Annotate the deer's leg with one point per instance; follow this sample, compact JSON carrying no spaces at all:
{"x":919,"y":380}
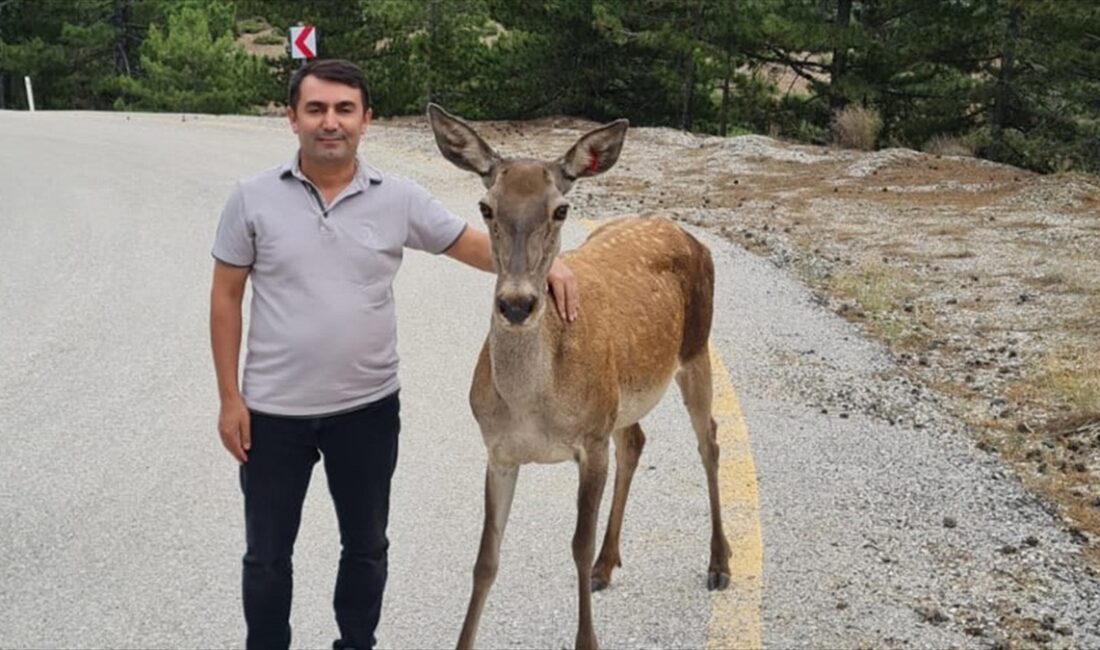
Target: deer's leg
{"x":695,"y":386}
{"x":593,"y":476}
{"x":629,"y":442}
{"x":500,"y":486}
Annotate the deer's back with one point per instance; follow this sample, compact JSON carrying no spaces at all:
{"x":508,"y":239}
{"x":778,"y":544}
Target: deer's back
{"x":647,"y":287}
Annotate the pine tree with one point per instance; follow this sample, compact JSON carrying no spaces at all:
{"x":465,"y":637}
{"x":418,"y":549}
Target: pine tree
{"x":189,"y":67}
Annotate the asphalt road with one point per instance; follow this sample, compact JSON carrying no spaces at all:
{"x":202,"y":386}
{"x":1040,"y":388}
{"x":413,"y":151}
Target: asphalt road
{"x":121,"y":518}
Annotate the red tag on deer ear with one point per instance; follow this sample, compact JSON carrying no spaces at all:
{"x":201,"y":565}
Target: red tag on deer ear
{"x":593,"y":162}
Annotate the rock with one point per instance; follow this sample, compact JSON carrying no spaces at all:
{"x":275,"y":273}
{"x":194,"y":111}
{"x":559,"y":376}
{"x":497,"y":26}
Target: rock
{"x":931,"y":613}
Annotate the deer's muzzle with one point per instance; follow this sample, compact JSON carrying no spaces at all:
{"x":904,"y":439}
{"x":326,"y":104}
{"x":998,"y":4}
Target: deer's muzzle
{"x":516,"y":309}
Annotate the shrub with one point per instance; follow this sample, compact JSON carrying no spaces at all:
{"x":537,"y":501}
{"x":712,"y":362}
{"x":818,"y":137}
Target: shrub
{"x":252,"y":26}
{"x":946,"y":145}
{"x":270,"y":38}
{"x":856,"y":127}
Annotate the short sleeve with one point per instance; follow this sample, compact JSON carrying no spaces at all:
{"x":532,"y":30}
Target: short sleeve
{"x":234,"y":242}
{"x":432,"y":227}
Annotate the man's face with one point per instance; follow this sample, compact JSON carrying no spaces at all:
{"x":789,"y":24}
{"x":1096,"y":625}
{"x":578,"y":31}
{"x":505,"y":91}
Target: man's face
{"x":329,"y":120}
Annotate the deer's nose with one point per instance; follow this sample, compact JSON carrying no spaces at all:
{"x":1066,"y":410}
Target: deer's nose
{"x":517,"y":309}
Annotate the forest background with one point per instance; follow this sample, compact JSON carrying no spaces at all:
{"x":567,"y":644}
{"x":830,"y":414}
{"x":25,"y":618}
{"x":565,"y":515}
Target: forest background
{"x":1015,"y":81}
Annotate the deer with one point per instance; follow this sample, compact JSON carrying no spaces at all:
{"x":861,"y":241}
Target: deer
{"x":545,"y":391}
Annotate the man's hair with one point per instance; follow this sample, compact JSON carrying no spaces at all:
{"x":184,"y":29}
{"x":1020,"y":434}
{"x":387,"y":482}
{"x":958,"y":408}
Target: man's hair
{"x":338,"y":70}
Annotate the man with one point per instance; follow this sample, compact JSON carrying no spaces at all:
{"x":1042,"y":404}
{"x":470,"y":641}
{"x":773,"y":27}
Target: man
{"x":321,"y":237}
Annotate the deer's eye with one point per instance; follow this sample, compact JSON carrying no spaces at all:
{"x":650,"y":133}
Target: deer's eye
{"x":486,"y":211}
{"x":560,"y":212}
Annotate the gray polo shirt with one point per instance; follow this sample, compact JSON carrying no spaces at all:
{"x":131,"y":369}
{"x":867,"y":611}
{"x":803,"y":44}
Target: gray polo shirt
{"x":322,"y":336}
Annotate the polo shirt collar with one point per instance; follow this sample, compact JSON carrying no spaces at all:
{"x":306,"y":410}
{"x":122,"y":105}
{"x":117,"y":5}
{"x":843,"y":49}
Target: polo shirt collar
{"x":364,"y":174}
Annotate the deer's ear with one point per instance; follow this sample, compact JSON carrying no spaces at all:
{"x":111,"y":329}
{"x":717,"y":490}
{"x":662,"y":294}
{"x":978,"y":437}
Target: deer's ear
{"x":460,"y":144}
{"x":595,"y":152}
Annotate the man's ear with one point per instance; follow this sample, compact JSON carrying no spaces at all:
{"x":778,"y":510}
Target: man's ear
{"x":595,"y":152}
{"x":461,"y":145}
{"x":292,"y":117}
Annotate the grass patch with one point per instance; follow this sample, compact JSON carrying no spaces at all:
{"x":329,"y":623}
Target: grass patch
{"x":874,"y":287}
{"x":842,"y":236}
{"x":885,"y":297}
{"x":1085,"y":321}
{"x":1049,"y":280}
{"x":1067,"y":382}
{"x":269,"y":39}
{"x":1074,"y":379}
{"x":962,"y":254}
{"x":1081,"y":277}
{"x":945,"y":145}
{"x":951,"y":230}
{"x":1070,"y":278}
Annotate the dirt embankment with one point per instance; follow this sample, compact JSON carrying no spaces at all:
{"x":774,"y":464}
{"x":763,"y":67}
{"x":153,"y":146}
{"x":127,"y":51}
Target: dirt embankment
{"x":983,"y":280}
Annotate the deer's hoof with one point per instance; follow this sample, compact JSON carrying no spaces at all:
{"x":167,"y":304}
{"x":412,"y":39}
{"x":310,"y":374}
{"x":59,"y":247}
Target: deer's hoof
{"x":599,"y":584}
{"x":717,"y":581}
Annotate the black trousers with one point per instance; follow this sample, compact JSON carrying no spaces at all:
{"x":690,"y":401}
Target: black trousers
{"x":360,"y":450}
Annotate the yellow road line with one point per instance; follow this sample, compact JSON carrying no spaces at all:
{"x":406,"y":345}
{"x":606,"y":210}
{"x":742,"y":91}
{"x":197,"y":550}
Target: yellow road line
{"x":735,"y":612}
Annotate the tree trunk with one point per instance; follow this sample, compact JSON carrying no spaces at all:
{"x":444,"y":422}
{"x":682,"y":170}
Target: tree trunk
{"x":120,"y":20}
{"x":1003,"y":97}
{"x":687,"y":89}
{"x":3,"y":75}
{"x":433,"y":20}
{"x":726,"y":93}
{"x":840,"y":55}
{"x":687,"y":92}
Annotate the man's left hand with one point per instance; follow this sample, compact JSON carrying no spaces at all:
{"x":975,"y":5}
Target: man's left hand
{"x":563,"y":286}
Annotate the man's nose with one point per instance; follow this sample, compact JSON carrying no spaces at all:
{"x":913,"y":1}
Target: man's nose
{"x":329,"y":120}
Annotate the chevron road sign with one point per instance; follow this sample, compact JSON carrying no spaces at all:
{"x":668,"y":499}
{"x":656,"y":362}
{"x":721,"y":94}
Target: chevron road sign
{"x":303,"y":42}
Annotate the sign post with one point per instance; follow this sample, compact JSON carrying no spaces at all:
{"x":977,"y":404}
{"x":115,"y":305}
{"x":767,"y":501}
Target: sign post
{"x":303,"y":42}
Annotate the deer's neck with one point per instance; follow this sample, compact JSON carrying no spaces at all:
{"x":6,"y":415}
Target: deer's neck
{"x":521,"y":363}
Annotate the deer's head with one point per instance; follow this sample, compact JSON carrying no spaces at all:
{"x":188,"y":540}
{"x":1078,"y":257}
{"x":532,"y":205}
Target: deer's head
{"x":524,"y":206}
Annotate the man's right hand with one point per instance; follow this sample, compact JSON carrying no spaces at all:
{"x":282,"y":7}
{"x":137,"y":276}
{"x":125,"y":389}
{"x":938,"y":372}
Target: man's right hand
{"x":235,"y":428}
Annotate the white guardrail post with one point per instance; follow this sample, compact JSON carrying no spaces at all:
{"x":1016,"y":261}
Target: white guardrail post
{"x":30,"y":92}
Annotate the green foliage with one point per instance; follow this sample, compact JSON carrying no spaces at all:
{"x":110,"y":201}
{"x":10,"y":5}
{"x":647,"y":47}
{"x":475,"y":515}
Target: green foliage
{"x":269,"y":38}
{"x":1016,"y":80}
{"x":252,"y":25}
{"x":416,"y":51}
{"x":44,"y":46}
{"x":189,"y":68}
{"x":1042,"y":111}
